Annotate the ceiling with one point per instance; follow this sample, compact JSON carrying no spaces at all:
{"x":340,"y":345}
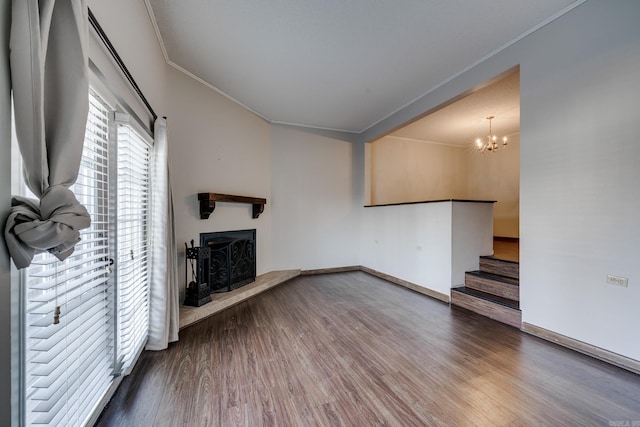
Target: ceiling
{"x":337,"y":64}
{"x":464,"y":120}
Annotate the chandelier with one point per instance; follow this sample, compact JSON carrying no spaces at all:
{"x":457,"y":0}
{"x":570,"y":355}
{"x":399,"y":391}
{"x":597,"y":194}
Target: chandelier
{"x":491,"y":141}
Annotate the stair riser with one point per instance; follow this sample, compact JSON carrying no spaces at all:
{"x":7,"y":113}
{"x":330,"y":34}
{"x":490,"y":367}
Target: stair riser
{"x":492,"y":287}
{"x":494,"y":311}
{"x":496,"y":266}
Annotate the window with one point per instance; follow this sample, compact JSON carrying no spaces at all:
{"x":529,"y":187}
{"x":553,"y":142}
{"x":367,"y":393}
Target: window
{"x":70,"y":366}
{"x":133,"y":242}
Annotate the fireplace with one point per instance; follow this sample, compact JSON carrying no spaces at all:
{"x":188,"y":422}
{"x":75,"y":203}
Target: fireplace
{"x":232,"y":259}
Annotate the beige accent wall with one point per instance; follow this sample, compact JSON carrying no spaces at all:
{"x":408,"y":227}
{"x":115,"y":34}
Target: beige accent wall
{"x":405,"y":170}
{"x":496,"y":176}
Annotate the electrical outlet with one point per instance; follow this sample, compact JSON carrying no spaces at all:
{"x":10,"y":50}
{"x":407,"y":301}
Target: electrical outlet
{"x":617,"y":280}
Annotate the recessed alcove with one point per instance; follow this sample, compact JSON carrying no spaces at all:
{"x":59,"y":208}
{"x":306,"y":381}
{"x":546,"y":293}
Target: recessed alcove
{"x":435,"y":157}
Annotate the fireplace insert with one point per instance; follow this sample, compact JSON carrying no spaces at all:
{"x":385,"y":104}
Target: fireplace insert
{"x":232,"y":261}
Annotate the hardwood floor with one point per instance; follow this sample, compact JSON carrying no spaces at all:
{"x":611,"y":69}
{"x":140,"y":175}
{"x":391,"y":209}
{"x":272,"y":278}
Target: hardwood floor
{"x":350,"y":349}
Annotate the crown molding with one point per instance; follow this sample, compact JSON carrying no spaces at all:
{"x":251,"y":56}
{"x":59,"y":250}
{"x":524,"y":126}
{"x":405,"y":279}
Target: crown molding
{"x":163,"y":48}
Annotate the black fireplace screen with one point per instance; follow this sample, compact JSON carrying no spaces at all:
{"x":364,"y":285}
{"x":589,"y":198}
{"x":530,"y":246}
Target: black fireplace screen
{"x":232,"y":259}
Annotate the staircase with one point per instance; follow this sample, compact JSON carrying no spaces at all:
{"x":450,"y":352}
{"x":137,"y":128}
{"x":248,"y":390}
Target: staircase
{"x":493,"y":291}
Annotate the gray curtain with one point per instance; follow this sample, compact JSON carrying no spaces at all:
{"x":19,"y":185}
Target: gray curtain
{"x":163,"y":287}
{"x":50,"y":82}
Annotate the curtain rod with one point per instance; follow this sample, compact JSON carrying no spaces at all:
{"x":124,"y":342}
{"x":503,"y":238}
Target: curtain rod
{"x":114,"y":53}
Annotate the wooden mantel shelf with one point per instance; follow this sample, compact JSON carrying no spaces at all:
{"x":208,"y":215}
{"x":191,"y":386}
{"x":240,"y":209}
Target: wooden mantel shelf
{"x":208,"y":203}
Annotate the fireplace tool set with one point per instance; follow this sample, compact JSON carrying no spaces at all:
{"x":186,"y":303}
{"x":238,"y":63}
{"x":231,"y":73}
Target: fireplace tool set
{"x":198,"y":291}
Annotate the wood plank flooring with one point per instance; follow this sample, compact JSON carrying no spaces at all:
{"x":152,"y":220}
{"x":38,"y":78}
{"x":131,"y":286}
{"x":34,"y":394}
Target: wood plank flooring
{"x":350,"y":349}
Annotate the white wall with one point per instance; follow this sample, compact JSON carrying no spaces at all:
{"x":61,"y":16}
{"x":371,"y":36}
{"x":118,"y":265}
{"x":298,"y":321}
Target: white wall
{"x":217,"y":146}
{"x":496,"y":176}
{"x":580,"y":178}
{"x":428,"y":244}
{"x":317,"y":200}
{"x":405,"y":170}
{"x":6,"y":393}
{"x":471,"y":237}
{"x":410,"y":242}
{"x":579,"y":193}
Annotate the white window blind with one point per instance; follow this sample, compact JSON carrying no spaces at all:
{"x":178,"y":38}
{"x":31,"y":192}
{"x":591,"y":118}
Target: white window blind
{"x":133,"y":199}
{"x":68,"y":367}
